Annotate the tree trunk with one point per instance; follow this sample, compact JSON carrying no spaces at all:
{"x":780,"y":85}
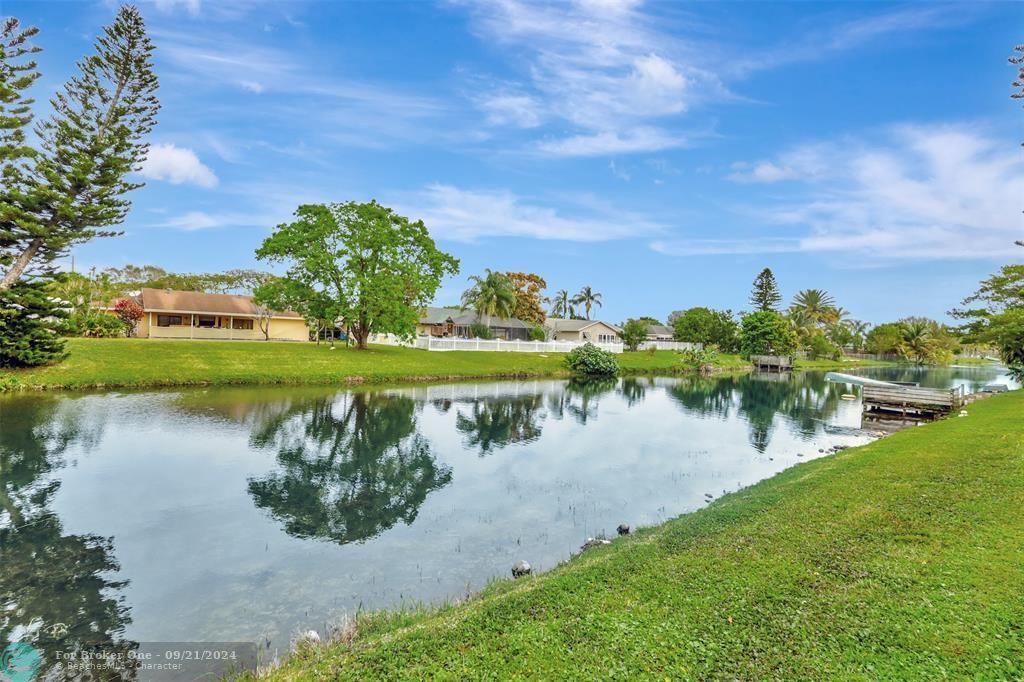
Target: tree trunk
{"x":13,"y":274}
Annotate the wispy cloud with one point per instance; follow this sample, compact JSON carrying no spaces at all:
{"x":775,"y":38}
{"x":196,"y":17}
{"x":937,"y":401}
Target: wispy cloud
{"x":177,"y":165}
{"x":599,"y":66}
{"x":922,"y":193}
{"x":467,"y":215}
{"x":354,"y":111}
{"x":203,"y":220}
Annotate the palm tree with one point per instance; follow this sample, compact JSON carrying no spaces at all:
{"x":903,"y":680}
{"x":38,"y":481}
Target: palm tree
{"x":587,"y":298}
{"x":562,"y":305}
{"x":916,"y":342}
{"x":858,"y":332}
{"x":814,"y":305}
{"x":490,"y":296}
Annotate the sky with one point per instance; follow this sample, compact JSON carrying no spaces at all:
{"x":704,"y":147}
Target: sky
{"x":662,"y":153}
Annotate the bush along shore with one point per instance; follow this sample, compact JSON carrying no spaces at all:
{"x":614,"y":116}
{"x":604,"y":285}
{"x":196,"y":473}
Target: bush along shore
{"x":141,"y":363}
{"x":900,"y":559}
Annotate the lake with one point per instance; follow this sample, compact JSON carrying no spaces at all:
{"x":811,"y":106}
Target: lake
{"x":250,"y":514}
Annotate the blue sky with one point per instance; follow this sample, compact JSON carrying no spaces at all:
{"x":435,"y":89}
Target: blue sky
{"x":662,"y":153}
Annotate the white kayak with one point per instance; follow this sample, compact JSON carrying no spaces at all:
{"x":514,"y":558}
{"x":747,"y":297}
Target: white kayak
{"x":840,"y":378}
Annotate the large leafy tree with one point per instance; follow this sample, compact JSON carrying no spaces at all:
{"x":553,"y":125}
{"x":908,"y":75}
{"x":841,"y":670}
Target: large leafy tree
{"x":361,"y":263}
{"x":765,"y":294}
{"x":588,"y":298}
{"x":707,"y":326}
{"x":75,"y":183}
{"x":766,"y":332}
{"x":633,"y":333}
{"x":492,"y":295}
{"x":528,"y":289}
{"x":994,"y":315}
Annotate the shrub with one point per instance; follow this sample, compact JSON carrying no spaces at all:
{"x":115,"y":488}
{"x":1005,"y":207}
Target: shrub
{"x":589,"y":360}
{"x":633,"y":333}
{"x":130,"y":312}
{"x":537,"y":333}
{"x":702,"y":359}
{"x":819,"y":347}
{"x":478,"y":330}
{"x":95,"y":325}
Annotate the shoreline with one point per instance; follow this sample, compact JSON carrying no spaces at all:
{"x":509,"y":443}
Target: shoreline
{"x":114,"y":364}
{"x":850,"y":543}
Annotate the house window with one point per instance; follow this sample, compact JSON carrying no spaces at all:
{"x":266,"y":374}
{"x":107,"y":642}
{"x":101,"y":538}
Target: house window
{"x":606,"y":338}
{"x":242,"y":323}
{"x":208,"y":321}
{"x":168,"y":320}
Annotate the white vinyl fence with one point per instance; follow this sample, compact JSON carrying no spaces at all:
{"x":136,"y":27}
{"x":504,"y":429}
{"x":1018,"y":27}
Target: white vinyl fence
{"x":444,"y":344}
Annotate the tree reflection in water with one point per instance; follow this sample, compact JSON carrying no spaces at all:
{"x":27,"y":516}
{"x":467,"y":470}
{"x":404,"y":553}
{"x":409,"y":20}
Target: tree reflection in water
{"x":580,"y":398}
{"x":55,"y":588}
{"x":349,"y":467}
{"x":496,"y":422}
{"x":804,"y":400}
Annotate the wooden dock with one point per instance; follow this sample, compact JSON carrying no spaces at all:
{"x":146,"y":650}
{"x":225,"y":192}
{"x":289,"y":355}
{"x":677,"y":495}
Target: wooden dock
{"x":912,"y":401}
{"x":772,"y":363}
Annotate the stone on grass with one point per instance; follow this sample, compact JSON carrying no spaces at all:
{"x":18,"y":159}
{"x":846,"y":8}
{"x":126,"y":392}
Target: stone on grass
{"x":520,"y":568}
{"x":623,"y":529}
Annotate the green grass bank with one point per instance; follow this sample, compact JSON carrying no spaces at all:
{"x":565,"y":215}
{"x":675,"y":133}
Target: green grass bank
{"x":137,"y":363}
{"x":903,"y":559}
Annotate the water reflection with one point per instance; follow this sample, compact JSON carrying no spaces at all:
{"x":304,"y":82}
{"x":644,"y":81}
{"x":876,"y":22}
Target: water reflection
{"x":57,"y":589}
{"x":804,"y":401}
{"x":241,"y":512}
{"x":580,"y":398}
{"x":348,"y":468}
{"x":493,"y":423}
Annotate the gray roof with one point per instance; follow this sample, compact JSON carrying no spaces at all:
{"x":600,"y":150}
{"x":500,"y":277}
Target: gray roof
{"x":659,"y":330}
{"x":561,"y":325}
{"x":464,"y":318}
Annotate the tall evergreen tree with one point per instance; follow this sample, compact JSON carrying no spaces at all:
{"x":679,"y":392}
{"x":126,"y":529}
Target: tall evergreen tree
{"x":74,"y":184}
{"x":765,"y":294}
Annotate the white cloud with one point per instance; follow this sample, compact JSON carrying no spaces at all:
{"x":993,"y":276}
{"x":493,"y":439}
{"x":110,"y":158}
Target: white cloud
{"x":604,"y":143}
{"x":201,"y":220}
{"x":517,"y":110}
{"x":924,"y":193}
{"x":598,"y":65}
{"x":177,"y":165}
{"x":190,"y":6}
{"x":466,"y":215}
{"x":251,"y":86}
{"x":807,"y":162}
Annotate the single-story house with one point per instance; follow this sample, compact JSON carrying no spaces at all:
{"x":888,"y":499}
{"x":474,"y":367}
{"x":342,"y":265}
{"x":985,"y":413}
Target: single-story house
{"x":659,"y":332}
{"x":455,"y":322}
{"x":594,"y":331}
{"x":171,"y":314}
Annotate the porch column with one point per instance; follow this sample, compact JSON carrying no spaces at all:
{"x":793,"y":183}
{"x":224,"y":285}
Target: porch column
{"x":191,"y":326}
{"x":231,"y":328}
{"x":149,"y":330}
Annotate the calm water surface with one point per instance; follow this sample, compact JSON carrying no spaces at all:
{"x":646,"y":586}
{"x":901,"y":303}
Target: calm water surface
{"x":245,"y":514}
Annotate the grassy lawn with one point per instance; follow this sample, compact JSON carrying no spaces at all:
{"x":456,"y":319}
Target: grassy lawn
{"x":111,"y":363}
{"x":903,"y":559}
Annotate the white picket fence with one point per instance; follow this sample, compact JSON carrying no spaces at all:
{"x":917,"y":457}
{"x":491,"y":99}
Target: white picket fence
{"x":498,"y":345}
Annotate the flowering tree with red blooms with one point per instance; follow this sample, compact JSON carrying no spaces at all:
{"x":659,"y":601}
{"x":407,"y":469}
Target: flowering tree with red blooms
{"x":130,"y":312}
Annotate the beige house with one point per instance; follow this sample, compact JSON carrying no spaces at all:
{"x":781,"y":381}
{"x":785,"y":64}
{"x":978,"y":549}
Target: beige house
{"x":659,"y":332}
{"x":582,"y":331}
{"x":171,"y":314}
